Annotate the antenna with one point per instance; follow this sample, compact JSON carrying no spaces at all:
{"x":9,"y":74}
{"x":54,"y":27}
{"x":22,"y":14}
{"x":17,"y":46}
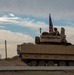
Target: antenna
{"x":40,"y":30}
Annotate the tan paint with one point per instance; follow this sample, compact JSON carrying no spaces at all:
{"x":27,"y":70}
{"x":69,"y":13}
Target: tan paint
{"x":54,"y":52}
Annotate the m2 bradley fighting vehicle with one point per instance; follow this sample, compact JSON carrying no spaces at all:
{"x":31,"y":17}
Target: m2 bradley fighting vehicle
{"x":50,"y":49}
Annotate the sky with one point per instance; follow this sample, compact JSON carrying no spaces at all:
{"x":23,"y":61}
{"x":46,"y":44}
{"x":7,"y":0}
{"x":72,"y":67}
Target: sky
{"x":20,"y":21}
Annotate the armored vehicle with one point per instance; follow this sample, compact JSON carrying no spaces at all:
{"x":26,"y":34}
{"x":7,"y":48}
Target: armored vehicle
{"x":50,"y":48}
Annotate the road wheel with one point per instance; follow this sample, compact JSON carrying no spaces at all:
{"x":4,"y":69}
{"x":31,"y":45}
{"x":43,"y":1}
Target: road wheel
{"x":33,"y":63}
{"x":70,"y":63}
{"x":50,"y":63}
{"x":62,"y":63}
{"x":41,"y":63}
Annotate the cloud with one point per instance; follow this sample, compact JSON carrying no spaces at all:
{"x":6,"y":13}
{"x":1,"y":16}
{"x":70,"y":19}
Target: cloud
{"x":13,"y":39}
{"x":2,"y":26}
{"x":25,"y":22}
{"x":14,"y":36}
{"x":12,"y":15}
{"x":6,"y":19}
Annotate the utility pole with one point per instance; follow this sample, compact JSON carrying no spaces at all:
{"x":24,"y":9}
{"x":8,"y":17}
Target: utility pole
{"x":5,"y":49}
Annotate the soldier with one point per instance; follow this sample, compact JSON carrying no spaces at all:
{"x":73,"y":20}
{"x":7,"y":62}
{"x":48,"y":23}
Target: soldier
{"x":56,"y":32}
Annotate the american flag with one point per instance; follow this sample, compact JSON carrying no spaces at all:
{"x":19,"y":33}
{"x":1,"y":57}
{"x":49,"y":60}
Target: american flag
{"x":50,"y":24}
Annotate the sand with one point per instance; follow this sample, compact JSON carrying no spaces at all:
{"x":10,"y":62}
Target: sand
{"x":15,"y":61}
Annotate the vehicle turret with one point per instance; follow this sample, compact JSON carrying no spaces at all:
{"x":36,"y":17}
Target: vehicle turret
{"x":51,"y":37}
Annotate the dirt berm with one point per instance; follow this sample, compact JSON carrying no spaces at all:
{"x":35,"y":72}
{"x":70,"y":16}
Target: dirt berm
{"x":15,"y":61}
